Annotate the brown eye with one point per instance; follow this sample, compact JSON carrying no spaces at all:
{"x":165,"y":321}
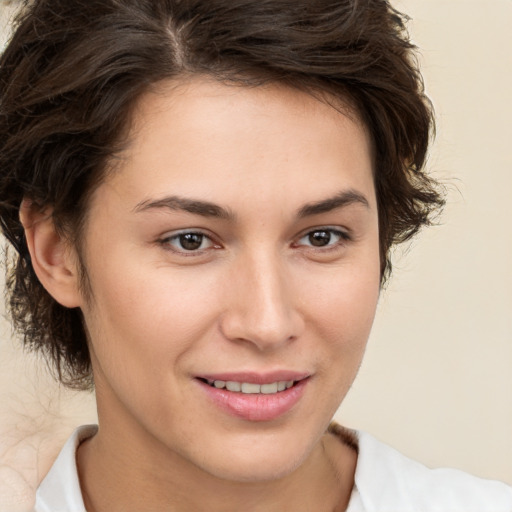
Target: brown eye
{"x":324,"y":238}
{"x":319,"y":238}
{"x":188,"y":242}
{"x":191,"y":241}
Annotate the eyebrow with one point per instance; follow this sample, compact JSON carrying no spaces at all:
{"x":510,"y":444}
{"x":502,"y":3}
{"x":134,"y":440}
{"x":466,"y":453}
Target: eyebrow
{"x":197,"y":207}
{"x":344,"y":198}
{"x":208,"y":209}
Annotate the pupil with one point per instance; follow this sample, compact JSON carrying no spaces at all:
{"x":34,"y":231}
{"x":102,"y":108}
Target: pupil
{"x":191,"y":241}
{"x":320,"y":238}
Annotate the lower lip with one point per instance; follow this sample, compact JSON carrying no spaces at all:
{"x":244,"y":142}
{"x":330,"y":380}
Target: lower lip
{"x":257,"y":406}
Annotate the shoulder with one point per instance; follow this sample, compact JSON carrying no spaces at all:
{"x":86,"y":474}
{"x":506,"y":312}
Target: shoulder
{"x":389,"y":481}
{"x":60,"y":489}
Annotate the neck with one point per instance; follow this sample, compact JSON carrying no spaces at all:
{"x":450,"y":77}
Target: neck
{"x":118,"y":472}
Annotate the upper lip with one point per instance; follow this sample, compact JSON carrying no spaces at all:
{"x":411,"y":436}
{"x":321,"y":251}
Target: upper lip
{"x":256,"y":377}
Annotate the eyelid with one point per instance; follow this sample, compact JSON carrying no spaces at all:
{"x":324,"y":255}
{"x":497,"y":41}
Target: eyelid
{"x":165,"y":239}
{"x":344,"y":235}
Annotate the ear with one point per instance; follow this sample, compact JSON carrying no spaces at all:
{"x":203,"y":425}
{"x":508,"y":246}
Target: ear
{"x":54,"y":260}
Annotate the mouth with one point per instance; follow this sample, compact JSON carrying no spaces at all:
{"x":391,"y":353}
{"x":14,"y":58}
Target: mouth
{"x":255,"y":397}
{"x":251,"y":388}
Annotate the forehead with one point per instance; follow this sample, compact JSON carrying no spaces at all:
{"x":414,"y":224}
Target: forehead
{"x":203,"y":137}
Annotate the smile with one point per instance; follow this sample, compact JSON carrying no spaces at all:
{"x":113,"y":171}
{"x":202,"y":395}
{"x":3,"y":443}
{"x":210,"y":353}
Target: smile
{"x":250,"y":388}
{"x":242,"y":396}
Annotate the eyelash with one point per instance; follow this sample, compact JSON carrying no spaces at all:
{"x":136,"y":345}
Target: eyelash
{"x":166,"y":243}
{"x":343,"y":238}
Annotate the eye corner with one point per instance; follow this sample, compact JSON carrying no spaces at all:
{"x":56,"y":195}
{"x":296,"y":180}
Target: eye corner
{"x":323,"y":238}
{"x":188,"y":242}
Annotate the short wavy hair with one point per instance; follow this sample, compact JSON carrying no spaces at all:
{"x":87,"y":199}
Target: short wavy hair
{"x":74,"y":70}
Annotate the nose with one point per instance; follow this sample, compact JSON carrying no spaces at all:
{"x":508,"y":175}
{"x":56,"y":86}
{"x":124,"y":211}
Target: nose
{"x":262,"y":308}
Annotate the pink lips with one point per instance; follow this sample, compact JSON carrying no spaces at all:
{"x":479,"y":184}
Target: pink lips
{"x":256,"y":407}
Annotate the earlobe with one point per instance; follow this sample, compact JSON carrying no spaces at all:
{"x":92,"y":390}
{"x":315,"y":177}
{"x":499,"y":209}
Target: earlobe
{"x":53,"y":260}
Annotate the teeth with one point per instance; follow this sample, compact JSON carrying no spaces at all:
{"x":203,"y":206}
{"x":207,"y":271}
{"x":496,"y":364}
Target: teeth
{"x":268,"y":389}
{"x":232,"y":386}
{"x":250,"y":388}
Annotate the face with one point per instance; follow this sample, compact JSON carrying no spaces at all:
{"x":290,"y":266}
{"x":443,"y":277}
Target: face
{"x":233,"y":260}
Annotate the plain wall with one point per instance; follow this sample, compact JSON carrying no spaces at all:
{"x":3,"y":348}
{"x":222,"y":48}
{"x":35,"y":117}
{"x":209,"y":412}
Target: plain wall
{"x":437,"y":379}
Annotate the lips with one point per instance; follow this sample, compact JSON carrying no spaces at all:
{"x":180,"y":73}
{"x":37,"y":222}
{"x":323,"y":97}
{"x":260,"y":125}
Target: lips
{"x":252,"y":388}
{"x":256,"y":377}
{"x":252,"y":396}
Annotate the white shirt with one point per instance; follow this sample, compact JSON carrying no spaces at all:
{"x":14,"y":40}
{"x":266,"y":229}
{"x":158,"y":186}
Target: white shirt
{"x":385,"y":481}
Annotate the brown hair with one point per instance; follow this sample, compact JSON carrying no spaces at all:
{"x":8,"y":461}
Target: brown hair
{"x":74,"y":70}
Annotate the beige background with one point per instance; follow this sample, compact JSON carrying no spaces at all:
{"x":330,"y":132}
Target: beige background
{"x":437,"y":379}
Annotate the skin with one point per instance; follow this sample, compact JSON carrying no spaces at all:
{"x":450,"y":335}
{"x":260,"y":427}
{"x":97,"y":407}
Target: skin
{"x":257,"y":296}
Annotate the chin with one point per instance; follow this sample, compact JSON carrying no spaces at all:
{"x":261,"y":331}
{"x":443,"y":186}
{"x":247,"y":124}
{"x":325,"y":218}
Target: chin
{"x":246,"y":471}
{"x":256,"y":461}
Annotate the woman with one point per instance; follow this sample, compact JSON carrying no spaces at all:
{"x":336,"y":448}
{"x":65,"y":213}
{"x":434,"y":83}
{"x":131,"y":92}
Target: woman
{"x":202,"y":197}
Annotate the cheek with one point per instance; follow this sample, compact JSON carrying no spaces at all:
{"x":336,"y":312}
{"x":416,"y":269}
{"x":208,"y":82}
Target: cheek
{"x":341,"y":314}
{"x":344,"y":301}
{"x":143,"y":320}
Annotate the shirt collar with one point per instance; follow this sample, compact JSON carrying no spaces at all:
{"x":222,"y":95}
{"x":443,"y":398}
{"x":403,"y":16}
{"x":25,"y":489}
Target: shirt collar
{"x":60,"y":489}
